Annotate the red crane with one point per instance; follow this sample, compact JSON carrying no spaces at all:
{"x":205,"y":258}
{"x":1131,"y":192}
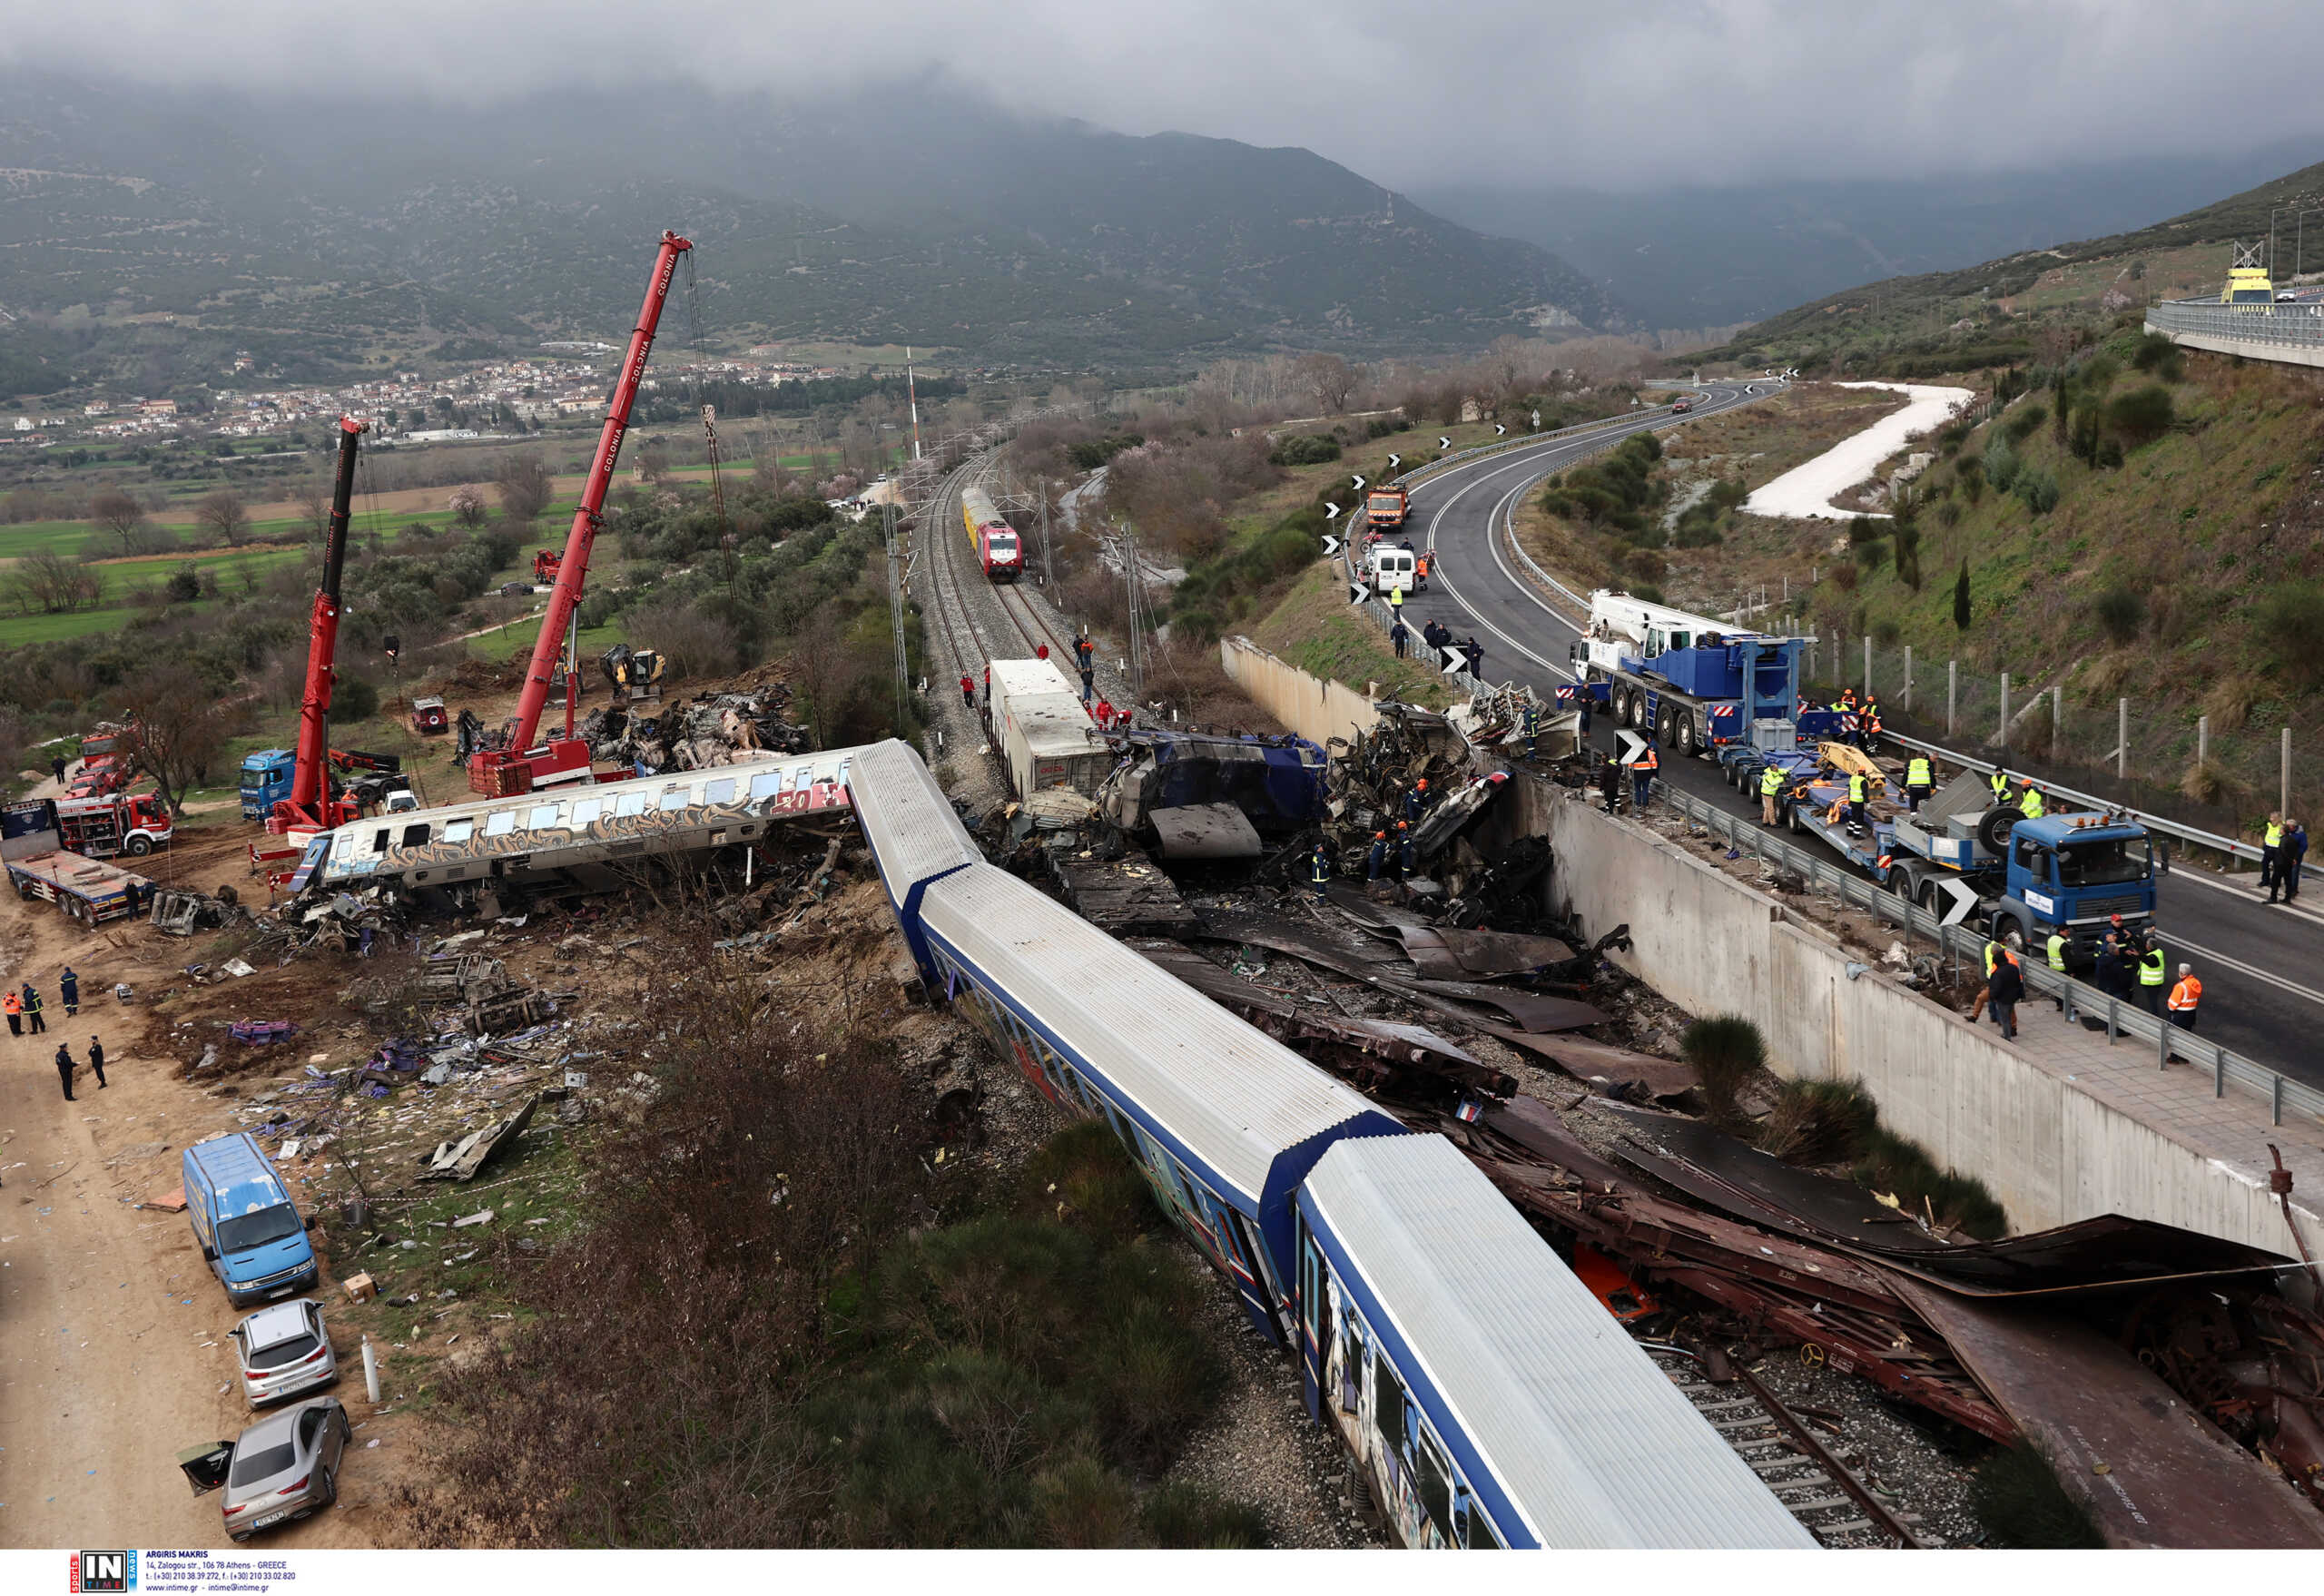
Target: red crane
{"x":310,"y":803}
{"x":522,"y":766}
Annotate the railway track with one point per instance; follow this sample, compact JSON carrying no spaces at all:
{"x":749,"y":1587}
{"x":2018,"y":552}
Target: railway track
{"x":962,"y":591}
{"x":1807,"y":1474}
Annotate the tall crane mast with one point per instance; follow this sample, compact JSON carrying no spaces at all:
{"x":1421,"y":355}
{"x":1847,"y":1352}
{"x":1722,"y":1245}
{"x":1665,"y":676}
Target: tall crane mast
{"x":310,"y":803}
{"x":522,"y":766}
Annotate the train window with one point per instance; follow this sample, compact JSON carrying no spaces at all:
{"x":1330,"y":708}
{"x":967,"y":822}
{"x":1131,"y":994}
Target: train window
{"x":721,"y":791}
{"x":415,"y":836}
{"x":766,"y":783}
{"x":542,"y":817}
{"x":500,"y":823}
{"x":343,"y":846}
{"x":630,"y":803}
{"x":674,"y":798}
{"x":585,"y":811}
{"x":1387,"y":1403}
{"x":460,"y":830}
{"x":1478,"y":1533}
{"x":1311,"y":1286}
{"x":379,"y":841}
{"x":1435,"y":1478}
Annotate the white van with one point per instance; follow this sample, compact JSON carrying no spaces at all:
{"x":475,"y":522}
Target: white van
{"x":1394,"y":570}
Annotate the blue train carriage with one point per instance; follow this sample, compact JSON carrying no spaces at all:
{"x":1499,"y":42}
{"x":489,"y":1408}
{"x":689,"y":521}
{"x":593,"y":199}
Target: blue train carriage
{"x":1223,"y":1120}
{"x":914,"y":835}
{"x":1489,"y":1397}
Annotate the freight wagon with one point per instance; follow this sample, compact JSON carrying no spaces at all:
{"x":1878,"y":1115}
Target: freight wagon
{"x":1044,"y":729}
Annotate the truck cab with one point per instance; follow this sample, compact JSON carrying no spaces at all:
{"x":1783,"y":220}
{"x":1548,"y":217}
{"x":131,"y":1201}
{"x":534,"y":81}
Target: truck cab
{"x":250,"y":1232}
{"x":2075,"y":872}
{"x":266,"y":779}
{"x":1386,"y":509}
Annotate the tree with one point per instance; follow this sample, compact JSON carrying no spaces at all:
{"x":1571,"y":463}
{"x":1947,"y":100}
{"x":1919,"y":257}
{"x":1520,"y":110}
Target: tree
{"x":467,"y":506}
{"x":225,"y":517}
{"x":114,"y":511}
{"x":1961,"y":599}
{"x":524,"y":486}
{"x":313,"y":499}
{"x":58,"y":586}
{"x":654,"y":460}
{"x":181,"y":730}
{"x":1328,"y":377}
{"x":2142,"y":415}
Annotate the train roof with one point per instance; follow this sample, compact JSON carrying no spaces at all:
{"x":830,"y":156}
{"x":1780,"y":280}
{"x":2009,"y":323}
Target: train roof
{"x":910,"y":823}
{"x":978,"y":504}
{"x":1230,"y":1095}
{"x":1524,"y":1369}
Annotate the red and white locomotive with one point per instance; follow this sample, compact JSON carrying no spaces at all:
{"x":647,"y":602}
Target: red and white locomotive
{"x":997,"y":548}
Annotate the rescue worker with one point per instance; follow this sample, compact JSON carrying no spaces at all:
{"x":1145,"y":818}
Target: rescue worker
{"x":1084,"y":652}
{"x":1642,"y":777}
{"x":2150,"y":966}
{"x":2185,"y":998}
{"x":2029,"y":803}
{"x":1319,"y":871}
{"x":1416,"y":800}
{"x":33,"y":1023}
{"x":1920,"y":781}
{"x":2004,"y":988}
{"x":69,"y":987}
{"x":1528,"y":726}
{"x":1610,"y":784}
{"x":2271,"y":854}
{"x":988,"y":685}
{"x":2295,"y":854}
{"x":969,"y":692}
{"x":57,"y":764}
{"x":1407,"y":852}
{"x":1857,"y":791}
{"x":97,"y":1060}
{"x":1582,"y":702}
{"x":1040,"y":651}
{"x":1400,"y":635}
{"x":1998,"y":783}
{"x":1376,"y":861}
{"x":1104,"y":715}
{"x":1770,"y":792}
{"x":1420,"y":574}
{"x":2055,"y":948}
{"x":64,"y":1071}
{"x":14,"y":1008}
{"x":1396,"y":602}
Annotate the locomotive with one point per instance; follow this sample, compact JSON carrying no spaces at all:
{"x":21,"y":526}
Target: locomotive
{"x":997,"y":548}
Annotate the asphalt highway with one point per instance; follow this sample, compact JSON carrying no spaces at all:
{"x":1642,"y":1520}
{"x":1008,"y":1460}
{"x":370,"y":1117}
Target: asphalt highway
{"x":2262,"y":967}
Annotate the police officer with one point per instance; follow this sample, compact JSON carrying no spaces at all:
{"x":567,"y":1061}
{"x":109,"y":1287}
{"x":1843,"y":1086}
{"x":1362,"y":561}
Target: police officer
{"x":1400,"y":635}
{"x":2151,"y":975}
{"x":64,"y":1071}
{"x":1920,"y":781}
{"x":1770,"y":792}
{"x":1319,"y":871}
{"x":97,"y":1060}
{"x":1855,"y":799}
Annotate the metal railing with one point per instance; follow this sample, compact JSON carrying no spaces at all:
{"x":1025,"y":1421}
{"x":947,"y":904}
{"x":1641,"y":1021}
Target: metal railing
{"x":1966,"y":946}
{"x":2301,"y":325}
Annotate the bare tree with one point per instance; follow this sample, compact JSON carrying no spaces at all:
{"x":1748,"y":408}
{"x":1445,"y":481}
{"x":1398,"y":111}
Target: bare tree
{"x":313,"y":499}
{"x":225,"y":517}
{"x":1329,"y":377}
{"x":653,"y":460}
{"x":524,"y":485}
{"x":112,"y":510}
{"x":827,"y":668}
{"x":467,"y":506}
{"x":181,"y":730}
{"x":56,"y":584}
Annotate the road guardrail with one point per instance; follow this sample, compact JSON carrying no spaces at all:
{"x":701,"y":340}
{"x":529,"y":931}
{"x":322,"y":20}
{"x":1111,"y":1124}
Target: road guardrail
{"x":2299,"y":325}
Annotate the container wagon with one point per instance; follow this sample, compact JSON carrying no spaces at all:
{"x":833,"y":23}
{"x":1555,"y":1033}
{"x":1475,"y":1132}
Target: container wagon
{"x":1044,"y":730}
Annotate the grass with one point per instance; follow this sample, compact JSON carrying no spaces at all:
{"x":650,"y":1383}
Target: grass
{"x":1838,"y":1122}
{"x":1314,"y":629}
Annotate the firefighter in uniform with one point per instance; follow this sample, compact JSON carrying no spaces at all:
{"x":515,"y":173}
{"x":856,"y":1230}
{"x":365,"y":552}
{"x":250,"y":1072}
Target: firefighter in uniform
{"x":1319,"y":871}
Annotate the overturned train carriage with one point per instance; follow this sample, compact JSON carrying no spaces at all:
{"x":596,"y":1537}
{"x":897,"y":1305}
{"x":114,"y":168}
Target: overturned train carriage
{"x":585,"y":834}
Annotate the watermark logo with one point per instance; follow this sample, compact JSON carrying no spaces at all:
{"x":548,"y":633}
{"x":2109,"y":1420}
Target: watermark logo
{"x":105,"y":1570}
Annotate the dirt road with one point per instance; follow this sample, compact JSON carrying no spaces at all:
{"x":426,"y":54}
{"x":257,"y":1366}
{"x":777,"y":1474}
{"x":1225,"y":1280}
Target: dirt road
{"x":112,"y":1354}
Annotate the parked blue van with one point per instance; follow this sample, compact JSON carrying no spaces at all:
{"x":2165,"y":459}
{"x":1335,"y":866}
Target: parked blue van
{"x":243,"y":1216}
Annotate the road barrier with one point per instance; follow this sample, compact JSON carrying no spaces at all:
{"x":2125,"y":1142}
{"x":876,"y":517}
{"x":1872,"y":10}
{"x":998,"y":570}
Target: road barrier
{"x":2210,"y":324}
{"x":1964,"y":945}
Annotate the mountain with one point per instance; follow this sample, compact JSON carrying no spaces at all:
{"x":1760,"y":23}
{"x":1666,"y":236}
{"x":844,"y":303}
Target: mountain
{"x":1714,"y":257}
{"x":154,"y":229}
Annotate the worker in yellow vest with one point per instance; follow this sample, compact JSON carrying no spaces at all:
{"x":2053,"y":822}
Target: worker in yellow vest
{"x":2152,"y":976}
{"x":2029,"y":803}
{"x":2184,"y":997}
{"x":1998,"y":783}
{"x":1855,"y":799}
{"x":1770,"y":790}
{"x":1920,"y":781}
{"x":2272,"y":855}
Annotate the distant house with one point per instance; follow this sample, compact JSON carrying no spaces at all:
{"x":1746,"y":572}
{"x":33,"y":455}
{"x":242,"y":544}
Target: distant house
{"x":96,"y":407}
{"x":158,"y":408}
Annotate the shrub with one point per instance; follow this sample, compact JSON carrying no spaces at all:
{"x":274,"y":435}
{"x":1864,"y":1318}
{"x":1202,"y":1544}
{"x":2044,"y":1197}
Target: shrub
{"x":1972,"y":471}
{"x":184,"y":584}
{"x":2157,"y":354}
{"x":1313,"y":448}
{"x":2038,"y":488}
{"x":1961,"y":613}
{"x":2001,"y":466}
{"x":2291,"y":619}
{"x":354,"y":698}
{"x":694,"y":642}
{"x":1863,"y":529}
{"x":2142,"y":415}
{"x":2023,"y":422}
{"x":1726,"y":1051}
{"x":1846,"y":577}
{"x":1818,"y":1121}
{"x":2122,"y":613}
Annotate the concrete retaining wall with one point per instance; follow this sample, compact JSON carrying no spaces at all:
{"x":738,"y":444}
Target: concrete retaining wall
{"x":1315,"y":709}
{"x":2050,"y":1151}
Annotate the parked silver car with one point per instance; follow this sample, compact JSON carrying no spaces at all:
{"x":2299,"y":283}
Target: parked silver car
{"x":285,"y":1466}
{"x":283,"y":1351}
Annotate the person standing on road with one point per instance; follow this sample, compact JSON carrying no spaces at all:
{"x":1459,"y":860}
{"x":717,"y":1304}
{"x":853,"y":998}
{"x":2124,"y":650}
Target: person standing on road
{"x":97,"y":1060}
{"x":2152,"y":966}
{"x":1642,"y":778}
{"x":33,"y":1023}
{"x":68,"y":986}
{"x":57,"y":764}
{"x":2004,"y":988}
{"x":65,"y":1071}
{"x":1400,"y":635}
{"x":1770,"y":792}
{"x":2294,"y":855}
{"x":2185,"y":998}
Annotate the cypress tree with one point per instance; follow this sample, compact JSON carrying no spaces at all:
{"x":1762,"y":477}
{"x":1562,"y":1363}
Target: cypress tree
{"x":1961,"y":599}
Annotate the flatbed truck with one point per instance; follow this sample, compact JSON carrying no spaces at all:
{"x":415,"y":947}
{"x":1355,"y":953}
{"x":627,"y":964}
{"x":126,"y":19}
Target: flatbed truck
{"x":1691,"y":683}
{"x":89,"y":890}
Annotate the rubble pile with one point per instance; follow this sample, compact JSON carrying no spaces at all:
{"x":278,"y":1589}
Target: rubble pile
{"x":713,"y":729}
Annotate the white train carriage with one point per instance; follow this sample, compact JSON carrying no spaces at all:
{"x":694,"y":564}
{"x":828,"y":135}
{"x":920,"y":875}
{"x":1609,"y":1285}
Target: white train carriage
{"x":1492,"y":1399}
{"x":1223,"y":1120}
{"x":914,"y":835}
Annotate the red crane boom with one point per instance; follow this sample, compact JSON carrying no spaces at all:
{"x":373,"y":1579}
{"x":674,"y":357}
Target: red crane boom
{"x":310,"y":803}
{"x":521,"y":766}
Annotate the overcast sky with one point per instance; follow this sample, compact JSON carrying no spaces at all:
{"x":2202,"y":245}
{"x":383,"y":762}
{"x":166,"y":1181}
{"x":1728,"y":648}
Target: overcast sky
{"x":1610,"y":93}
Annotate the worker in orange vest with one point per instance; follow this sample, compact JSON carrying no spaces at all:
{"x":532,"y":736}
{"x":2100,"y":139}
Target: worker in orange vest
{"x":15,"y":1011}
{"x":2185,"y":998}
{"x":1642,"y":777}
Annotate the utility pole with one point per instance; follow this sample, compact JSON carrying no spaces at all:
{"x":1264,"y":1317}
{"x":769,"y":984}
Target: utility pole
{"x":1049,"y":568}
{"x":896,"y":609}
{"x":1137,"y":591}
{"x":1951,"y":686}
{"x":911,"y":390}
